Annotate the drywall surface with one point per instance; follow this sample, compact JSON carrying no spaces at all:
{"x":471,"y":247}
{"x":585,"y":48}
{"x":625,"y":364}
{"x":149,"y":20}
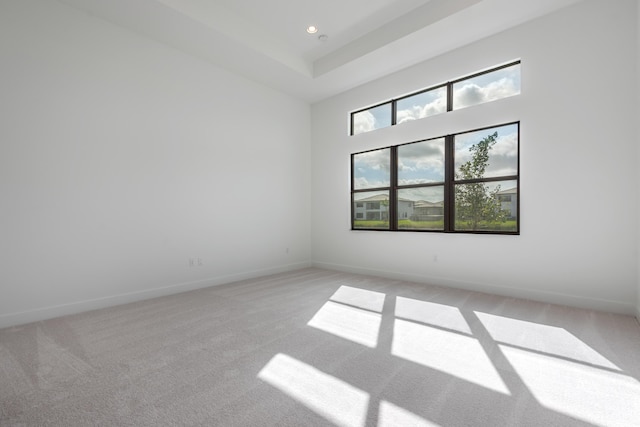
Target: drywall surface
{"x":578,"y":241}
{"x":638,"y":130}
{"x":130,"y":170}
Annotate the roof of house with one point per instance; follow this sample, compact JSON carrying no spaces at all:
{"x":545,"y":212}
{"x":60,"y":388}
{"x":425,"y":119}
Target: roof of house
{"x":374,"y":198}
{"x":381,"y":197}
{"x":428,"y":204}
{"x":513,"y":190}
{"x":385,"y":197}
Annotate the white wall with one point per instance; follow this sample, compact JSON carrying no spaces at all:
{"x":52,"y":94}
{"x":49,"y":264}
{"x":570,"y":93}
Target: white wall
{"x":122,"y":158}
{"x":638,"y":130}
{"x":578,"y":242}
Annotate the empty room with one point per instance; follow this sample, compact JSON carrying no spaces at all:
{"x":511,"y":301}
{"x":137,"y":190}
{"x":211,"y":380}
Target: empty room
{"x":342,"y":213}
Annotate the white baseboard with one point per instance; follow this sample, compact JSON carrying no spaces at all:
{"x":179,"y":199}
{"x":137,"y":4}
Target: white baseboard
{"x":530,"y":294}
{"x":13,"y":319}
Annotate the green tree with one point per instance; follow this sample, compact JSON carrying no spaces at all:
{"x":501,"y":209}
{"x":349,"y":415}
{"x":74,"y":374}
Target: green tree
{"x":385,"y":215}
{"x":475,"y":203}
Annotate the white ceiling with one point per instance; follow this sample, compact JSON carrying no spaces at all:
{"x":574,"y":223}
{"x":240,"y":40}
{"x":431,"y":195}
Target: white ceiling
{"x":265,"y":40}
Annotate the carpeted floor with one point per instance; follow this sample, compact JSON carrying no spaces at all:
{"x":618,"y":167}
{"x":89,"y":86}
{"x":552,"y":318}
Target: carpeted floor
{"x":316,"y":347}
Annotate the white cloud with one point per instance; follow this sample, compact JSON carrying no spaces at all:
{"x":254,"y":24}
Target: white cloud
{"x":473,"y":94}
{"x":363,"y":122}
{"x":506,"y":145}
{"x":361,"y":182}
{"x":414,"y":181}
{"x":377,"y":160}
{"x":421,"y":156}
{"x":372,"y":169}
{"x":405,"y":168}
{"x":418,"y":111}
{"x":502,"y":156}
{"x":436,"y":164}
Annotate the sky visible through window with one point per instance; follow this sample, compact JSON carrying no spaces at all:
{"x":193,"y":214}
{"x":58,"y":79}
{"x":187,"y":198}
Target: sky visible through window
{"x":491,"y":86}
{"x":372,"y":169}
{"x":422,"y":105}
{"x":423,"y":162}
{"x":487,"y":87}
{"x":503,"y":156}
{"x":371,"y":119}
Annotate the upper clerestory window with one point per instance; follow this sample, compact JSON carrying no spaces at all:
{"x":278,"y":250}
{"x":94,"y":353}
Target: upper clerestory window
{"x":496,"y":83}
{"x":486,"y":87}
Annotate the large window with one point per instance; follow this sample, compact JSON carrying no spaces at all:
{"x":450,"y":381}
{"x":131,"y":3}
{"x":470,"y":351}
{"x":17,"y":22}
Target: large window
{"x":466,"y":182}
{"x":496,"y":83}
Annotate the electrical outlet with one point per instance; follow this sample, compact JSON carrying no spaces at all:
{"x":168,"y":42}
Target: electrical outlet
{"x":192,"y":262}
{"x":200,"y":262}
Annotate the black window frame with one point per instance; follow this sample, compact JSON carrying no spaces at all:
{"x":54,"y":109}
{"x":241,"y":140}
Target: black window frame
{"x":392,"y":110}
{"x":449,"y":85}
{"x":449,"y":184}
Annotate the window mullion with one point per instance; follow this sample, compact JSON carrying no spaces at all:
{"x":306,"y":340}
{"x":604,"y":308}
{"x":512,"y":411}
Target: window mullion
{"x":393,"y":190}
{"x":448,"y":183}
{"x":394,"y":109}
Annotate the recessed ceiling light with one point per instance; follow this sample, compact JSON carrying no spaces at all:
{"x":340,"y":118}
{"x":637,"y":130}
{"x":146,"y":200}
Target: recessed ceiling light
{"x":312,"y":29}
{"x":323,"y":37}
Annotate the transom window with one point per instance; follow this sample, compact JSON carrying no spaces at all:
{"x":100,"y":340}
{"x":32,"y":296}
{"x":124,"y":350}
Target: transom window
{"x":465,"y":182}
{"x":497,"y":83}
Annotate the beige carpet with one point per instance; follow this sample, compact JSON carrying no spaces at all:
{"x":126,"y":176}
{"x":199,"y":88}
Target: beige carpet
{"x":315,"y":347}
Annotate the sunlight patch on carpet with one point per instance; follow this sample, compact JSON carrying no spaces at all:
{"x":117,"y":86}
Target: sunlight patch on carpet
{"x":593,"y":395}
{"x":543,"y":338}
{"x":394,"y":416}
{"x":363,"y":298}
{"x":448,"y":352}
{"x":432,"y":313}
{"x":324,"y":394}
{"x":351,"y":323}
